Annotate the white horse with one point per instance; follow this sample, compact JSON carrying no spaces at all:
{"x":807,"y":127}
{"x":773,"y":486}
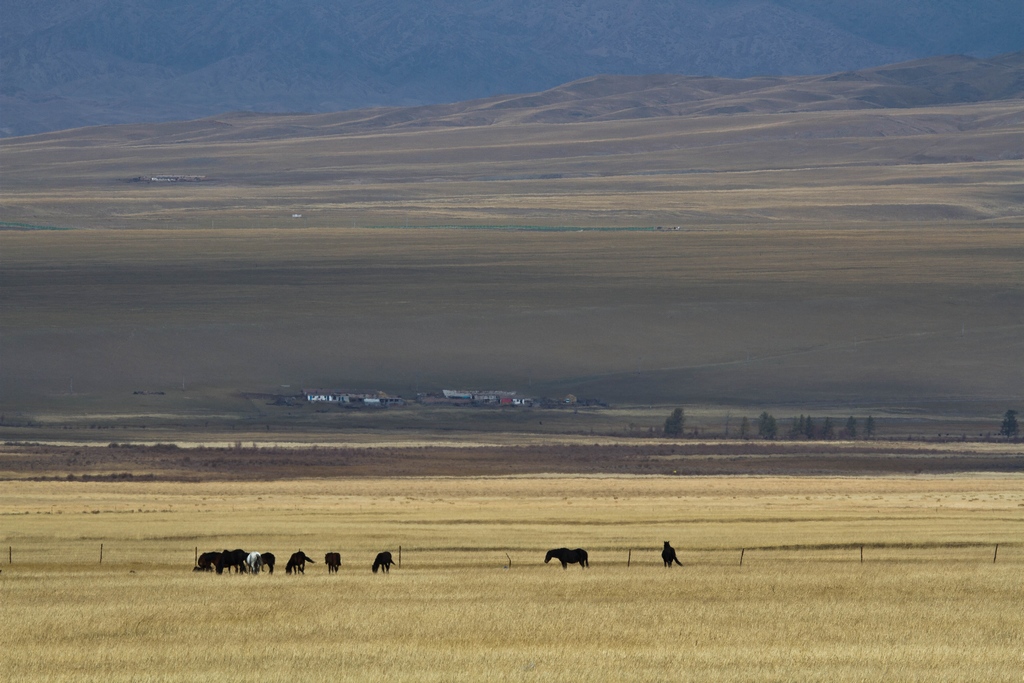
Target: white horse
{"x":254,"y":562}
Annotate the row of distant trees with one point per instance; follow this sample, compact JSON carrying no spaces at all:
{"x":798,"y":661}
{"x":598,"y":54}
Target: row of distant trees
{"x":804,"y":426}
{"x":807,"y":427}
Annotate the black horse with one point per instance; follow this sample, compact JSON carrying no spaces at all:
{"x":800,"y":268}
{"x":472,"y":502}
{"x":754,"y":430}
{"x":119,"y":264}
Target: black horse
{"x":297,"y":563}
{"x":268,"y":561}
{"x":383,"y":560}
{"x":567,"y":557}
{"x":668,"y":555}
{"x":207,"y":562}
{"x":232,"y":558}
{"x":333,"y":561}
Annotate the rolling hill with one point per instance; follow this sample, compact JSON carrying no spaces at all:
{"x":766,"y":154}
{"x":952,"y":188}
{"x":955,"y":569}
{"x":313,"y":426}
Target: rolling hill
{"x":71,"y":63}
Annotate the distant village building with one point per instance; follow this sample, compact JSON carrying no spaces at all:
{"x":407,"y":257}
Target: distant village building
{"x":455,"y":393}
{"x":176,"y":178}
{"x":375,"y":400}
{"x":463,"y":397}
{"x":326,"y":397}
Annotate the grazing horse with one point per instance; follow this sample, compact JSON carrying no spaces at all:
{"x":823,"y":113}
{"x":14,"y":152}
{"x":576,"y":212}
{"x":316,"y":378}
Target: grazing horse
{"x":207,"y":562}
{"x":232,"y":558}
{"x":333,"y":561}
{"x":254,"y":562}
{"x":567,"y":557}
{"x":297,"y":563}
{"x":268,"y":561}
{"x":668,"y":556}
{"x":383,"y":560}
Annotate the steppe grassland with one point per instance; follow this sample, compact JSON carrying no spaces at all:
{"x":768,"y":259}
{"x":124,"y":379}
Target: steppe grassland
{"x":863,"y":167}
{"x":731,"y":315}
{"x":926,"y":604}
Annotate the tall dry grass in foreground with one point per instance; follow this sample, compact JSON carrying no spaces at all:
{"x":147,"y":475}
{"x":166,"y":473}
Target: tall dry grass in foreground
{"x":926,"y":604}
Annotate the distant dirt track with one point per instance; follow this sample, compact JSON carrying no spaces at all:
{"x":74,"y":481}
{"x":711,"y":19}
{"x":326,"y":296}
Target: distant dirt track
{"x":171,"y":463}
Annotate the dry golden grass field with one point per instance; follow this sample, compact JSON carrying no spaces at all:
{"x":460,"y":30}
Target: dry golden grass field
{"x":927,"y":603}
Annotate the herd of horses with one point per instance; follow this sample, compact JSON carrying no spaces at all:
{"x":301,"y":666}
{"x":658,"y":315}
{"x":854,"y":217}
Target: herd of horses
{"x":253,"y":563}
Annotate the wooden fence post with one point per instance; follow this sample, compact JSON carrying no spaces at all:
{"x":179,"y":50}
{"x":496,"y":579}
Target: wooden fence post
{"x":629,"y":558}
{"x":862,"y":554}
{"x":509,"y":560}
{"x":742,"y":550}
{"x":101,"y":553}
{"x":399,"y":557}
{"x":10,"y":554}
{"x":197,"y":556}
{"x":995,"y":554}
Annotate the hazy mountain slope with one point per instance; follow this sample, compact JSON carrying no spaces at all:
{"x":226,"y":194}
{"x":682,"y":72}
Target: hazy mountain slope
{"x":78,"y":62}
{"x":921,"y":83}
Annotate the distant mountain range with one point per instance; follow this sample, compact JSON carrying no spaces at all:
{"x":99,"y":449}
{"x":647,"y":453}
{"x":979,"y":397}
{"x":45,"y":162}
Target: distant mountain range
{"x":920,"y":83}
{"x":69,"y":63}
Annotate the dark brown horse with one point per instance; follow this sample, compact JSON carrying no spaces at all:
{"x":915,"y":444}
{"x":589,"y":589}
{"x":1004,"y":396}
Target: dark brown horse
{"x":268,"y":561}
{"x":383,"y":560}
{"x":297,"y":563}
{"x":232,"y":558}
{"x":668,"y":556}
{"x":567,"y":557}
{"x":333,"y":561}
{"x":207,"y":562}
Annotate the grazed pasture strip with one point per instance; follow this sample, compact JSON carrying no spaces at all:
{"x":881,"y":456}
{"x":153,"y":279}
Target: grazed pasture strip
{"x":170,"y":463}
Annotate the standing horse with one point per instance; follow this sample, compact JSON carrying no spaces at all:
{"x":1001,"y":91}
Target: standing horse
{"x":254,"y":562}
{"x":333,"y":561}
{"x":567,"y":557}
{"x":268,"y":561}
{"x":232,"y":558}
{"x":297,"y":563}
{"x":383,"y":560}
{"x":668,"y":556}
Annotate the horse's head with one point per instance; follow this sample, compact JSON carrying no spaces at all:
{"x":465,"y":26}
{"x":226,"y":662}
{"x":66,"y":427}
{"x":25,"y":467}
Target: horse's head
{"x":547,"y":558}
